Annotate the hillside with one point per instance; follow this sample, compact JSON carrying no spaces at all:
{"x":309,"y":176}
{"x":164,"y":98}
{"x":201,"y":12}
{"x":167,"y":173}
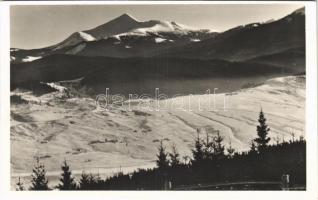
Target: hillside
{"x":141,"y":75}
{"x":97,"y":140}
{"x":250,"y":41}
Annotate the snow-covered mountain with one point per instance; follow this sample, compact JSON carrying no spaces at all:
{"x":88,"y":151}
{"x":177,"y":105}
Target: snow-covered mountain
{"x":125,"y":30}
{"x":128,"y":25}
{"x":125,"y":37}
{"x":126,"y":49}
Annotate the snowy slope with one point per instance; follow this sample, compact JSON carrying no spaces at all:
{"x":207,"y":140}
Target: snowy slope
{"x":74,"y":39}
{"x":93,"y":139}
{"x":86,"y":36}
{"x":157,"y":27}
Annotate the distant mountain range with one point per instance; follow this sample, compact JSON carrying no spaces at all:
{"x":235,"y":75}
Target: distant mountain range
{"x":127,"y":50}
{"x":121,"y":37}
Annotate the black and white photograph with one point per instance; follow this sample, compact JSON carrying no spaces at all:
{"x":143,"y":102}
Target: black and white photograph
{"x":181,"y":97}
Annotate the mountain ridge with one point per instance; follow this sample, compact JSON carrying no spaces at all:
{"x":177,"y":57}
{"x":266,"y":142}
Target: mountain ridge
{"x":126,"y":36}
{"x":121,"y":27}
{"x":254,"y":50}
{"x":251,"y":40}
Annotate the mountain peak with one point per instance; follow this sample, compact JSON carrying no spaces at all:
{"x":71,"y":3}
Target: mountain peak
{"x":121,"y":24}
{"x":126,"y":16}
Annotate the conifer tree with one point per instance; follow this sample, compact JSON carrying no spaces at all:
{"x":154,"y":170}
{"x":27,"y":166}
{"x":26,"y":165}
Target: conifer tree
{"x":66,"y":179}
{"x":174,"y":156}
{"x":19,"y":185}
{"x":198,"y":152}
{"x":39,"y":180}
{"x":84,"y":183}
{"x":262,"y":132}
{"x":162,"y":158}
{"x":218,"y":146}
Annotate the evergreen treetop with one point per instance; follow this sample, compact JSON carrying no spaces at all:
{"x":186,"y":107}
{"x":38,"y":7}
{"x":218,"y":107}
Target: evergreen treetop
{"x":66,"y":180}
{"x":162,"y":158}
{"x":198,"y":151}
{"x":39,"y":180}
{"x":262,"y":132}
{"x":174,"y":156}
{"x":19,"y":185}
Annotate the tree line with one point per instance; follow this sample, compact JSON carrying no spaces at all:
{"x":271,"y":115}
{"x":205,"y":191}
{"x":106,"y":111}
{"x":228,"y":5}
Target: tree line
{"x":211,"y":162}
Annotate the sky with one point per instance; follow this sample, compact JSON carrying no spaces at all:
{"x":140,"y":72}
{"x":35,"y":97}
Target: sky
{"x":37,"y":26}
